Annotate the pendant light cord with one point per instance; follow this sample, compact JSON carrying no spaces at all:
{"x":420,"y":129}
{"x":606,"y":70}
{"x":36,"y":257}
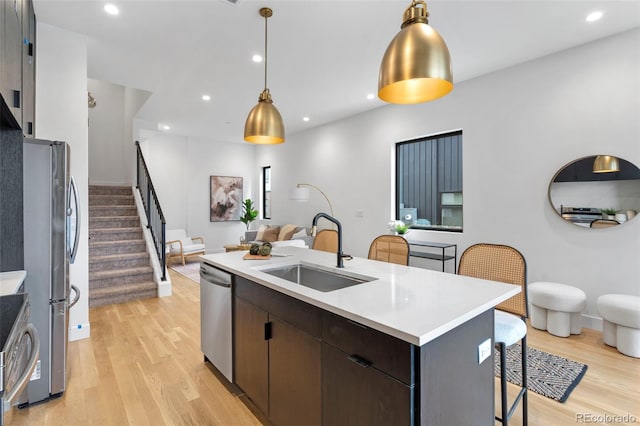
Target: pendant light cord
{"x":265,"y":51}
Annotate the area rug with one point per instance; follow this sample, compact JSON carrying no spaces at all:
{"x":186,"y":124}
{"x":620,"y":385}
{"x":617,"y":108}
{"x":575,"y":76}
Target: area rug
{"x":190,"y":270}
{"x":549,"y":375}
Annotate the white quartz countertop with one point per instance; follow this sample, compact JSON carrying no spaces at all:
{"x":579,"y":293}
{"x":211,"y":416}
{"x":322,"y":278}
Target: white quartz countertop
{"x":413,"y":304}
{"x":10,"y":281}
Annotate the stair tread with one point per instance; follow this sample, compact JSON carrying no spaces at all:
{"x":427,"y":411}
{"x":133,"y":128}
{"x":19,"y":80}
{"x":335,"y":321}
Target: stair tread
{"x":137,"y":228}
{"x":123,"y":256}
{"x":133,"y":214}
{"x":124,"y":288}
{"x":115,"y":242}
{"x":100,"y":219}
{"x":111,"y":206}
{"x":110,"y":192}
{"x":108,"y":218}
{"x":120,"y":272}
{"x":108,"y":206}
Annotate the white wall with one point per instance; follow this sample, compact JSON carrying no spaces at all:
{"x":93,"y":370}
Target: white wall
{"x":61,"y":114}
{"x":111,"y":145}
{"x":180,"y":169}
{"x":520,"y":126}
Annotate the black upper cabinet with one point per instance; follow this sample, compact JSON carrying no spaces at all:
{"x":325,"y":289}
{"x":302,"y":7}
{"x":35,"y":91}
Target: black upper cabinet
{"x":17,"y":55}
{"x":582,"y":171}
{"x":12,"y":57}
{"x":28,"y":69}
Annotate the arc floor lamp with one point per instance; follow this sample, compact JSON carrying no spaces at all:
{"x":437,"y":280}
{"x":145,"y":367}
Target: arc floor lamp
{"x":301,"y":193}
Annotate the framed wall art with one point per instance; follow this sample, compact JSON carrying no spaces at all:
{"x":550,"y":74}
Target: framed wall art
{"x":225,"y":198}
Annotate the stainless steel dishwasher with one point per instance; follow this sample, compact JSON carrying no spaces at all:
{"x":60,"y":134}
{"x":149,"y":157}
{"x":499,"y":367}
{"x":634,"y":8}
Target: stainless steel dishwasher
{"x":215,"y":318}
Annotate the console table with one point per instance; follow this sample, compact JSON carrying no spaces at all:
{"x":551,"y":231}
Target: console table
{"x":442,"y":255}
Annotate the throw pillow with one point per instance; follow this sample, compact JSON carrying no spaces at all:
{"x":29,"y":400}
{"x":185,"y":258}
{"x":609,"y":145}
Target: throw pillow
{"x":260,"y":234}
{"x":270,"y":234}
{"x":300,"y":234}
{"x":286,"y":232}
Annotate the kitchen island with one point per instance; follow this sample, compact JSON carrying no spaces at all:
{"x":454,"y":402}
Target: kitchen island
{"x":402,"y":348}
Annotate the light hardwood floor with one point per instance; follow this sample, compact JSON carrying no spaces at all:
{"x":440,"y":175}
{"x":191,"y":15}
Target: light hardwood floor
{"x":143,"y":366}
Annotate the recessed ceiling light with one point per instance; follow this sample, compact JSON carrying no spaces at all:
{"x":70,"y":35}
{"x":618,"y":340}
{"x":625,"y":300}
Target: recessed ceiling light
{"x":594,"y":16}
{"x":256,"y":58}
{"x":165,"y":127}
{"x":370,"y":96}
{"x":111,"y":9}
{"x":305,"y":118}
{"x":206,"y":97}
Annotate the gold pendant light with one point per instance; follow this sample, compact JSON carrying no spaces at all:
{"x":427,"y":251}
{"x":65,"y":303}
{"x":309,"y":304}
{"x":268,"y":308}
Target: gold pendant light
{"x":264,"y":124}
{"x":416,"y":66}
{"x":606,"y":164}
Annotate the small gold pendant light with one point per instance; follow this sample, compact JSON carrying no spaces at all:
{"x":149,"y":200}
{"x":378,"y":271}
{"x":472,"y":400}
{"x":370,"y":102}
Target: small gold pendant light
{"x":416,"y":66}
{"x":264,"y":124}
{"x":606,"y":164}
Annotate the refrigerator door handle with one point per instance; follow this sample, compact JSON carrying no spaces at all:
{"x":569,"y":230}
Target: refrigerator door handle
{"x":75,"y":299}
{"x":73,"y":187}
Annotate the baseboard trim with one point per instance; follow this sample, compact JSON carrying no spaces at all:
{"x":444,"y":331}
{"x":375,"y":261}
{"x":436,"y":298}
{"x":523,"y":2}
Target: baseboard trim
{"x":79,"y":332}
{"x":592,"y":322}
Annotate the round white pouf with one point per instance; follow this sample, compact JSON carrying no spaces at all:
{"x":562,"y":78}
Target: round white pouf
{"x":556,"y":308}
{"x":621,"y":322}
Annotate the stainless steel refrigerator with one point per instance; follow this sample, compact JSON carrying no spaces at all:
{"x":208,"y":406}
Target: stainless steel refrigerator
{"x":51,"y":229}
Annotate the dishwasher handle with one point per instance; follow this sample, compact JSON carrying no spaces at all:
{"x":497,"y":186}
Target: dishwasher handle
{"x":215,"y":276}
{"x":22,"y":382}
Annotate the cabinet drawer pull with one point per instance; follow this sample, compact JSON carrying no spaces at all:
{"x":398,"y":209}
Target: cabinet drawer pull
{"x":16,"y":98}
{"x":267,"y":330}
{"x":360,"y":361}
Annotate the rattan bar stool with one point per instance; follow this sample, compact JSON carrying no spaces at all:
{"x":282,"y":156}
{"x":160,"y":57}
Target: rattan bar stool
{"x":390,"y":248}
{"x":505,"y":264}
{"x":326,"y":240}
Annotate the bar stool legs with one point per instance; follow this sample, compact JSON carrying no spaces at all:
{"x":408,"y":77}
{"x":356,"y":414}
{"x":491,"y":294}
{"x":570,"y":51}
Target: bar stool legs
{"x":507,"y":411}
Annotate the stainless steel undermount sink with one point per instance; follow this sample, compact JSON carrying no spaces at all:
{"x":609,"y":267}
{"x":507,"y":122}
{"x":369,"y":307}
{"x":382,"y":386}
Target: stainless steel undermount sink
{"x":317,"y":278}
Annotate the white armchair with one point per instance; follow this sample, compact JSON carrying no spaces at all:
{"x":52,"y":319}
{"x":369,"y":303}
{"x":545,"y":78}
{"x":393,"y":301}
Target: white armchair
{"x":180,"y":246}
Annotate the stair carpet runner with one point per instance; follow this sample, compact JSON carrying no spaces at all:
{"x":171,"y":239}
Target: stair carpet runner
{"x":119,"y":265}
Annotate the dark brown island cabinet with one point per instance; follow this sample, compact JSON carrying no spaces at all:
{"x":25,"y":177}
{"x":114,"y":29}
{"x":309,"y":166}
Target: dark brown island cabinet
{"x":301,"y":365}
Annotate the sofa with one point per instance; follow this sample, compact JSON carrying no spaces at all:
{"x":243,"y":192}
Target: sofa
{"x":286,"y":235}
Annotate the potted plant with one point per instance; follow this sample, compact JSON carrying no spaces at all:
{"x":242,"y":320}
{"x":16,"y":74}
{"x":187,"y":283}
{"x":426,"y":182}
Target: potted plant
{"x":608,"y":213}
{"x":401,"y":228}
{"x":249,"y":213}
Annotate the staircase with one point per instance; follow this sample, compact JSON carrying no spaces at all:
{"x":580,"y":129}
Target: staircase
{"x":119,"y":265}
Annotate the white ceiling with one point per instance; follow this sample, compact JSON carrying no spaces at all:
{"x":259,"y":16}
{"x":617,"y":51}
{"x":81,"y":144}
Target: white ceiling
{"x":323,"y":55}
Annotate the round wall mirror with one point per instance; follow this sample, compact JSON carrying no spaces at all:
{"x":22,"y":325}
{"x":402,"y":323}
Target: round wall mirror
{"x":596,"y":192}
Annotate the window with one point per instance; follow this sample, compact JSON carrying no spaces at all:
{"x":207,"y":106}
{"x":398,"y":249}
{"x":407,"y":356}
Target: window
{"x":429,"y":182}
{"x":266,"y":192}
